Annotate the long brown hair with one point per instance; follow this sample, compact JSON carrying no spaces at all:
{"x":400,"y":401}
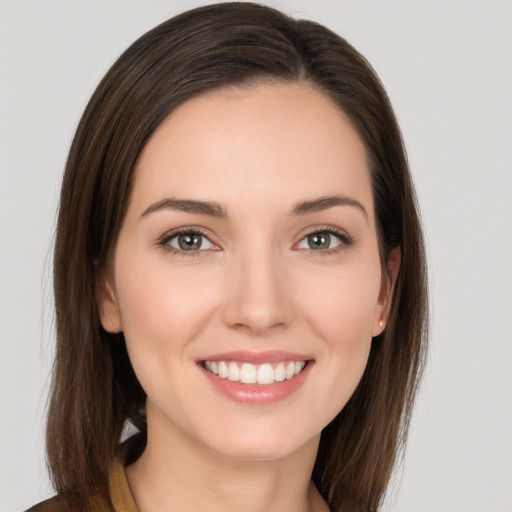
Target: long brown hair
{"x":94,"y":388}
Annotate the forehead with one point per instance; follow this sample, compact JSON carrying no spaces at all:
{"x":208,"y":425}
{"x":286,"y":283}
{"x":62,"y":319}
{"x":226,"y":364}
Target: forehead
{"x":265,"y":142}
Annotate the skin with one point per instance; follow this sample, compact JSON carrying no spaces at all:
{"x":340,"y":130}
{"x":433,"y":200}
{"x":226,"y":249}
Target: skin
{"x":256,"y":284}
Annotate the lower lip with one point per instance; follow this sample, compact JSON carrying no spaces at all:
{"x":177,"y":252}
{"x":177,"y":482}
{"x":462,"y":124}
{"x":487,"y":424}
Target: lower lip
{"x":257,"y":394}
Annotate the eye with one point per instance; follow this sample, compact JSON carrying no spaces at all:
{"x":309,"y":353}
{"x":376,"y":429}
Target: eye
{"x":325,"y":240}
{"x":190,"y":241}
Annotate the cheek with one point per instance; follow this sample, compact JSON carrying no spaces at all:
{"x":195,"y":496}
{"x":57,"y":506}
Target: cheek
{"x":162,"y":312}
{"x":345,"y":324}
{"x":342,"y":305}
{"x":341,"y":313}
{"x":161,"y":308}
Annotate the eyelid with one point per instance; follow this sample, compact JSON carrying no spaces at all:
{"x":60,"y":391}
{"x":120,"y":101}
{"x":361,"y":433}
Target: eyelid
{"x":205,"y":242}
{"x":163,"y":241}
{"x":346,"y":240}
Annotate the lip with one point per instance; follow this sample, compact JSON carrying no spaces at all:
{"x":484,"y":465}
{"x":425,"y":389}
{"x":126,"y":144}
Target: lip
{"x":254,"y":393}
{"x":245,"y":356}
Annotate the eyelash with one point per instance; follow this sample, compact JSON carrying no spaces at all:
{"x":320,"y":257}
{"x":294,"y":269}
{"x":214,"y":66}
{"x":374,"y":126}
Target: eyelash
{"x":344,"y":238}
{"x":163,"y":242}
{"x":345,"y":241}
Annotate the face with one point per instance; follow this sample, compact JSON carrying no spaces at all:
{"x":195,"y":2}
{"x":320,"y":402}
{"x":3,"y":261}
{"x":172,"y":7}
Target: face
{"x":246,"y":276}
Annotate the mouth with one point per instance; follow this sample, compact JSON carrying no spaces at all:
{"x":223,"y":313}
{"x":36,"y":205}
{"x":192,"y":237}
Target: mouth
{"x":263,"y":374}
{"x":256,"y":378}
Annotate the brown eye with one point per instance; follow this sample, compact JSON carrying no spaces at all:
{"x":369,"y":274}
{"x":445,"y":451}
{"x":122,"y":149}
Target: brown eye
{"x":191,"y":241}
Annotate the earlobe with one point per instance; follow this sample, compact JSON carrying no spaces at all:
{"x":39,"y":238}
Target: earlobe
{"x":386,"y":291}
{"x":110,"y":316}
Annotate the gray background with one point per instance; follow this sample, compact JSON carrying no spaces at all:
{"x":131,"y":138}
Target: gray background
{"x":447,"y":65}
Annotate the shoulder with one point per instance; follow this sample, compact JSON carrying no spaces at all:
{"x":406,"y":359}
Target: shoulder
{"x":58,"y":504}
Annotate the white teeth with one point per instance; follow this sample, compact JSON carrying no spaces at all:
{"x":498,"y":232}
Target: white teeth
{"x":265,"y":374}
{"x":223,"y":370}
{"x":233,"y":372}
{"x":290,"y":370}
{"x":248,"y":373}
{"x":279,"y":373}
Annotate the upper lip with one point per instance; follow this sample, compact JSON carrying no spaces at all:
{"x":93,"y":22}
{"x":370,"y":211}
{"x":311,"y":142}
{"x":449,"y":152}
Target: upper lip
{"x":245,"y":356}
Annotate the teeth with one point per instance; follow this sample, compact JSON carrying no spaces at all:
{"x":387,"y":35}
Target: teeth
{"x":279,"y":373}
{"x":233,"y":372}
{"x":248,"y":373}
{"x":265,"y":374}
{"x":290,"y":369}
{"x":223,"y":370}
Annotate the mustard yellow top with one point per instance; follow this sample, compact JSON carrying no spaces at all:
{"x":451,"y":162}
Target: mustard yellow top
{"x":119,"y":491}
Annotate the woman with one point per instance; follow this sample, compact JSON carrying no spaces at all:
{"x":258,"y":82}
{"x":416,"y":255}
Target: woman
{"x":239,"y":273}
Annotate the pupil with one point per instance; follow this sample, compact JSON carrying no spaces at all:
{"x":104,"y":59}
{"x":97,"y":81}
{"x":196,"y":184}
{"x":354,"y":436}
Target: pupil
{"x":189,"y":242}
{"x":319,"y":241}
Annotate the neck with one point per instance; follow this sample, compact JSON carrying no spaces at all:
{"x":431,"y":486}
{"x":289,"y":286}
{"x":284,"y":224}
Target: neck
{"x":177,"y":473}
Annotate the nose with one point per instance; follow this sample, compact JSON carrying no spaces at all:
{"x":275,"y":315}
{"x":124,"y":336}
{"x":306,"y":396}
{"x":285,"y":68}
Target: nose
{"x":258,"y":298}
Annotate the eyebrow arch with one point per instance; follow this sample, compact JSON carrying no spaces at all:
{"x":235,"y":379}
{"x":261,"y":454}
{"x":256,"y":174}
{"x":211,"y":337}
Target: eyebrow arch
{"x":325,"y":202}
{"x":211,"y":209}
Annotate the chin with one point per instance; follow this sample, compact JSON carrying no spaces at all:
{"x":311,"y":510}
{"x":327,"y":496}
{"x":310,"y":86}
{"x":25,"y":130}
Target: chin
{"x":261,"y":444}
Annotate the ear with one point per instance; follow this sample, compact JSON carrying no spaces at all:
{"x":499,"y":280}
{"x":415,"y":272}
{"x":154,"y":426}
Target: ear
{"x":386,"y":291}
{"x":110,"y":316}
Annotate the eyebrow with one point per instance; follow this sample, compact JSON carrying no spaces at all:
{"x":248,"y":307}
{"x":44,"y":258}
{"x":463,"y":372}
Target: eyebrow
{"x":209,"y":208}
{"x":213,"y":209}
{"x":325,"y":202}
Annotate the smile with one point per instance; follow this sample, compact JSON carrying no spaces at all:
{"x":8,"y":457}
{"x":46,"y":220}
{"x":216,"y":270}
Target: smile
{"x":262,"y":374}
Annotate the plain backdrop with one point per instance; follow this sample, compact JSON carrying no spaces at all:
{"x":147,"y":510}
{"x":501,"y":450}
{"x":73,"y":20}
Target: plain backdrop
{"x":447,"y":65}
